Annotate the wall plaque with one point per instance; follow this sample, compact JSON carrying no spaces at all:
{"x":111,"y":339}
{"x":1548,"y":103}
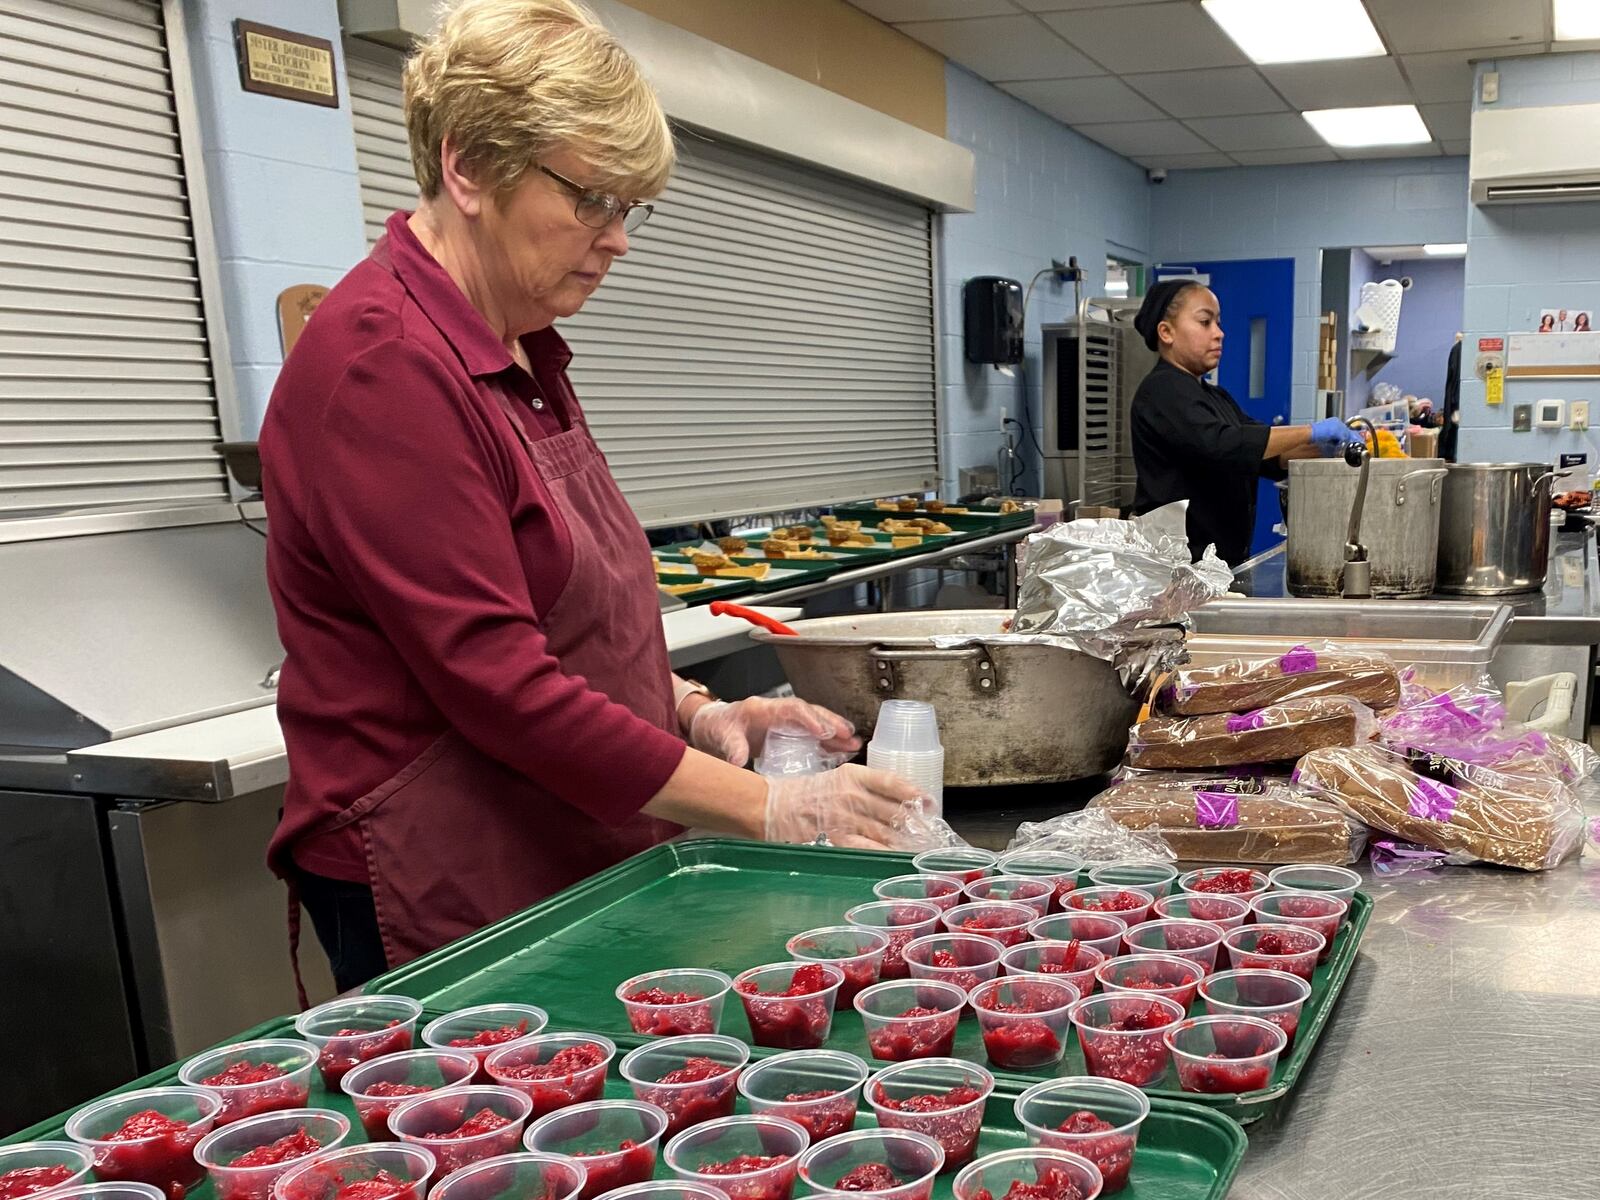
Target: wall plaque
{"x":292,"y":66}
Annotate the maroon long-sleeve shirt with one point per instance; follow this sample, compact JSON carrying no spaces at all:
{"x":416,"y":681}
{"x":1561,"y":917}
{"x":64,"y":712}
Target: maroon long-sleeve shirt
{"x":412,"y":550}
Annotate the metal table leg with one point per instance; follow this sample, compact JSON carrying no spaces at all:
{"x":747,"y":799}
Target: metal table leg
{"x":1008,"y":567}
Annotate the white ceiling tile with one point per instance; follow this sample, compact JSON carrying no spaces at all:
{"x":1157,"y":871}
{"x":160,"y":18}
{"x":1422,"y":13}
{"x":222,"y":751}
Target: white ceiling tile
{"x":1447,"y":75}
{"x":1145,"y":138}
{"x":1426,"y":150}
{"x":1417,"y":26}
{"x":1015,"y":47}
{"x":1210,"y":92}
{"x":1276,"y":131}
{"x":1448,"y":121}
{"x":1463,"y":146}
{"x":1344,"y":83}
{"x":1273,"y":158}
{"x":1185,"y":162}
{"x":1076,"y":101}
{"x":932,"y":10}
{"x":1058,"y":5}
{"x":1148,"y":37}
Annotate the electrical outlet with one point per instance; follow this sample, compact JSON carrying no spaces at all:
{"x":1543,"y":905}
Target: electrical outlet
{"x":1521,"y":418}
{"x":1491,"y":87}
{"x":1578,"y":416}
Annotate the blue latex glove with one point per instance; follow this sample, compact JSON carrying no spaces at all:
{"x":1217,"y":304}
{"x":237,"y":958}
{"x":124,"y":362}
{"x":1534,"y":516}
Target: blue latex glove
{"x":1331,"y":435}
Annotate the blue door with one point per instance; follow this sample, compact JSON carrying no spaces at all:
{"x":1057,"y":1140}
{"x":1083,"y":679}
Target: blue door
{"x":1257,"y":300}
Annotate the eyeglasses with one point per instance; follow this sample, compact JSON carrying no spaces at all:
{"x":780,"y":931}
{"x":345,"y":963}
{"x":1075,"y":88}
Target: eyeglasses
{"x":598,"y":209}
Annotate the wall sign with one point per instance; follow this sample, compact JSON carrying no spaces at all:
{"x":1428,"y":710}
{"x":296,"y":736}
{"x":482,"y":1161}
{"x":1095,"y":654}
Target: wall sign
{"x":291,"y":66}
{"x":1553,"y":355}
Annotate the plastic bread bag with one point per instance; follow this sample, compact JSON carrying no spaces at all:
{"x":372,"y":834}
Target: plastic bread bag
{"x":1470,"y":813}
{"x":1243,"y":684}
{"x":1271,"y":734}
{"x":1248,"y":779}
{"x":1093,"y":836}
{"x":1468,"y":724}
{"x":1273,"y":822}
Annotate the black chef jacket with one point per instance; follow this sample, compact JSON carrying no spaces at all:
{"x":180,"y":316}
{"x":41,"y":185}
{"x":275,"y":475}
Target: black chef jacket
{"x":1192,"y":441}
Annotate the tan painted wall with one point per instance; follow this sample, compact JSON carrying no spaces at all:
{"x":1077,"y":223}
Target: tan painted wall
{"x":825,"y":42}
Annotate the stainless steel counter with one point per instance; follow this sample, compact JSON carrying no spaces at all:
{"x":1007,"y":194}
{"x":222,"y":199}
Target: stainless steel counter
{"x":1463,"y":1060}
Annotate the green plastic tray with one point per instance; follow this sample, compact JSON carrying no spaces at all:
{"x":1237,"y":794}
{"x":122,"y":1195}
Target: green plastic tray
{"x":732,"y":905}
{"x":811,"y":566}
{"x":976,"y":521}
{"x":858,"y":555}
{"x":775,"y":582}
{"x":1185,"y":1152}
{"x":721,"y":589}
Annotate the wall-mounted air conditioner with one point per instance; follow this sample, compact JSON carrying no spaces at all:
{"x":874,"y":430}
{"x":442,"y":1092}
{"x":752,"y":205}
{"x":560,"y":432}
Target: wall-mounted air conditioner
{"x":1536,"y":155}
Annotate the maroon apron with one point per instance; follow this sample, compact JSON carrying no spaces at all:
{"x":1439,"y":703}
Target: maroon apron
{"x":457,"y":839}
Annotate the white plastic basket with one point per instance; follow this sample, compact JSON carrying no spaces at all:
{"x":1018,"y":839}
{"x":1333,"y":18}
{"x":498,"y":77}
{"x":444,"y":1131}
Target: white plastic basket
{"x":1380,"y":312}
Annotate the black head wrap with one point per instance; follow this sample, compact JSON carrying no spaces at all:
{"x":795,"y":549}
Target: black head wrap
{"x":1154,"y":309}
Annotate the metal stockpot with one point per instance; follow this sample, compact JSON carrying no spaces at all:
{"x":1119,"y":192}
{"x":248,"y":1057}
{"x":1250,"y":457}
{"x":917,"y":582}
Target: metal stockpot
{"x":1008,"y":713}
{"x":1399,"y":524}
{"x":1494,"y":531}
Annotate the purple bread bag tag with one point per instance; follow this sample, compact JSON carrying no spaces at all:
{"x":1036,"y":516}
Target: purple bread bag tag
{"x":1298,"y":661}
{"x":1216,"y":810}
{"x":1240,"y":722}
{"x":1432,"y":800}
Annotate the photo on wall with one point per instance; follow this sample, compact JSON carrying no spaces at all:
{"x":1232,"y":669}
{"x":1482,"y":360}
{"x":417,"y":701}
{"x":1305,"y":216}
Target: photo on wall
{"x":1565,"y":320}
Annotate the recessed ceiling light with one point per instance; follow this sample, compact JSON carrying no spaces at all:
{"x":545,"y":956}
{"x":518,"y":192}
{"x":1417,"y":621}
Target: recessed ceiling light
{"x":1285,"y":31}
{"x":1382,"y":125}
{"x":1577,"y":20}
{"x":1444,"y":249}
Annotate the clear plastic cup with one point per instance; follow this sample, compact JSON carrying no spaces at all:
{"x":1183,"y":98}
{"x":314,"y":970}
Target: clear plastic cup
{"x":1275,"y":996}
{"x":1225,"y":912}
{"x":453,"y":1124}
{"x":789,"y":1005}
{"x":554,"y":1069}
{"x":1005,"y":922}
{"x":668,"y":1189}
{"x":994,"y":1174}
{"x":1070,"y":962}
{"x":1098,"y":931}
{"x":901,"y":921}
{"x":789,"y":750}
{"x":962,"y":864}
{"x":50,"y":1164}
{"x":1057,"y":867}
{"x":914,"y":1159}
{"x":1130,"y":904}
{"x":1024,"y":1021}
{"x":964,"y":959}
{"x":321,"y":1177}
{"x":816,"y":1089}
{"x":1198,"y":941}
{"x":906,"y":726}
{"x":1159,"y":879}
{"x":943,"y":1098}
{"x":929,"y":1031}
{"x":105,"y":1191}
{"x":1152,"y":974}
{"x":221,"y":1149}
{"x":481,"y":1030}
{"x":1120,"y":1034}
{"x":254,"y":1077}
{"x":754,"y":1157}
{"x":348,"y":1032}
{"x":1323,"y":913}
{"x":162,"y":1159}
{"x":854,"y":949}
{"x":594,"y":1133}
{"x":1274,"y":948}
{"x":1220,"y":1055}
{"x":526,"y":1175}
{"x":1014,"y":889}
{"x":940,"y":891}
{"x":1242,"y":882}
{"x":675,"y":1074}
{"x":380,"y":1086}
{"x":1097,"y":1118}
{"x":674,"y":1003}
{"x":1316,"y":877}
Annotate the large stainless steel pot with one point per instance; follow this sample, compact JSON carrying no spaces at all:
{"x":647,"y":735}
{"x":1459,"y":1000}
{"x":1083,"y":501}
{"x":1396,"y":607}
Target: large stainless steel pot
{"x":1399,"y":524}
{"x":1007,"y":713}
{"x":1494,"y":531}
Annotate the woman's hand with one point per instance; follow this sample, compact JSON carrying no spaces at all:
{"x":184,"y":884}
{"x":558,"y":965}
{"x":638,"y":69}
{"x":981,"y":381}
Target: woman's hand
{"x":732,"y":732}
{"x":1331,"y":435}
{"x":851,"y":806}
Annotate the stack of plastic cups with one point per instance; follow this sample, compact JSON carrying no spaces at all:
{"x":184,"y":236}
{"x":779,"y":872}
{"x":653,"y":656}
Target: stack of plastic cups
{"x":905,"y":742}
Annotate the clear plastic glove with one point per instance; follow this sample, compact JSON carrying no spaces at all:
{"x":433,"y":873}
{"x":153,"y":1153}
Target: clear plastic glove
{"x":733,"y":732}
{"x":1331,"y":435}
{"x":848,"y":806}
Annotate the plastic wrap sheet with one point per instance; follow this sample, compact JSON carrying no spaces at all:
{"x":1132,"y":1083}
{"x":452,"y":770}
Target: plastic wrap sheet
{"x":1468,"y":724}
{"x":1231,"y":820}
{"x":1267,"y":735}
{"x":1242,"y":684}
{"x":1091,"y":835}
{"x":1469,"y":812}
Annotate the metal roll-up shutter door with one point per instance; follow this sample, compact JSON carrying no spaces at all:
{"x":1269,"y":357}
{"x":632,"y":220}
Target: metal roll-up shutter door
{"x":766,"y":344}
{"x":106,"y":389}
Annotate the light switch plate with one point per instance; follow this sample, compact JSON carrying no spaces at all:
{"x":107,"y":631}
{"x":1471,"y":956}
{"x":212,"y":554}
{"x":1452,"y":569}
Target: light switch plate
{"x":1521,"y":418}
{"x":1491,"y":87}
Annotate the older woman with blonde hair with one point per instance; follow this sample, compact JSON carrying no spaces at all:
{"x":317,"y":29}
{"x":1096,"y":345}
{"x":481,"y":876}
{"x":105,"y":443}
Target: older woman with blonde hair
{"x":476,"y":699}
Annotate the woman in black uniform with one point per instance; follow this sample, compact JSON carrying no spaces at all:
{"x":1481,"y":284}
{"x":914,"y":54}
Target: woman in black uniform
{"x":1192,"y":441}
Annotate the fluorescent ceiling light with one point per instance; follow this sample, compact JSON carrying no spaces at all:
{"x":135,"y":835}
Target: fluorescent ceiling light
{"x":1445,"y":249}
{"x":1382,"y":125}
{"x":1285,"y":31}
{"x":1577,"y":20}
